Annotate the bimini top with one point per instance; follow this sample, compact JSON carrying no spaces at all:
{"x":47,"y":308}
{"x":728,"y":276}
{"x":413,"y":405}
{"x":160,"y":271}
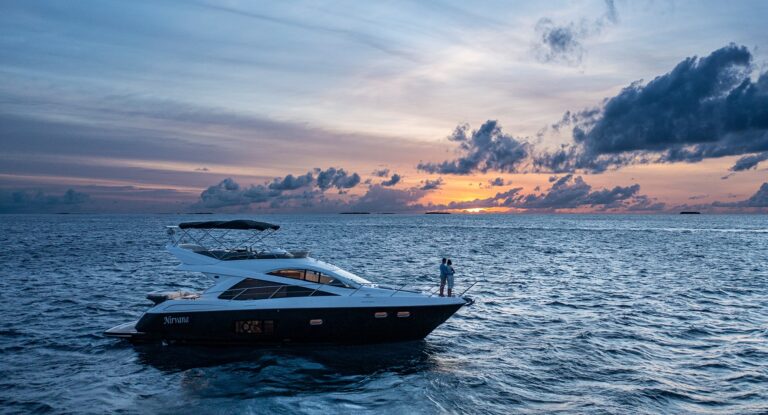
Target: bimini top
{"x":239,"y":224}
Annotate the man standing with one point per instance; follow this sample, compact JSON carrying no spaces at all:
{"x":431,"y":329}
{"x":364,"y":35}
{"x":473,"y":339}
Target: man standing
{"x":449,"y":276}
{"x":443,"y":276}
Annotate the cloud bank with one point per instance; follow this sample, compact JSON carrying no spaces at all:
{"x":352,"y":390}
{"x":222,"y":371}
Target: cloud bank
{"x":565,"y":193}
{"x":705,"y":107}
{"x":757,"y":200}
{"x":25,"y":201}
{"x":307,"y":190}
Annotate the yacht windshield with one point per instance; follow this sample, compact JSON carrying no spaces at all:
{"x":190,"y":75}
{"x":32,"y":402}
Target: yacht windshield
{"x":350,"y":276}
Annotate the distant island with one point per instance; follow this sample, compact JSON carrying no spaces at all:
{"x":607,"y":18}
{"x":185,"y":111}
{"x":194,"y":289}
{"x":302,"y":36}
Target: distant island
{"x":437,"y":213}
{"x":690,"y":212}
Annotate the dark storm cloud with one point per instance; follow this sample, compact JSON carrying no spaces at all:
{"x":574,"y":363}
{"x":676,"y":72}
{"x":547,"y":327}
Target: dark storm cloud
{"x":395,"y":179}
{"x":749,"y":162}
{"x":757,"y":200}
{"x":484,"y":149}
{"x":31,"y":201}
{"x":563,"y":42}
{"x":705,"y":107}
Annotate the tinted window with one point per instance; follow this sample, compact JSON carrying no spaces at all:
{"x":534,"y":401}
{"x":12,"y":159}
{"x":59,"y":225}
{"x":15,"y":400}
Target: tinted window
{"x":253,"y":289}
{"x":250,"y":289}
{"x":308,"y":275}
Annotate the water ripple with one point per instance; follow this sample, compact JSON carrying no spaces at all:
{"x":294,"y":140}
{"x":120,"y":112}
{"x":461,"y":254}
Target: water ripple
{"x":574,"y":314}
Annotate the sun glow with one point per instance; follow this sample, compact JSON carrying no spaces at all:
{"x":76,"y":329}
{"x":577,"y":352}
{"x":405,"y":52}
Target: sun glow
{"x":475,"y":210}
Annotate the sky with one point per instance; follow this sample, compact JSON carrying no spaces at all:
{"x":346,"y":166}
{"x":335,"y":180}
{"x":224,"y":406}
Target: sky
{"x":393,"y":106}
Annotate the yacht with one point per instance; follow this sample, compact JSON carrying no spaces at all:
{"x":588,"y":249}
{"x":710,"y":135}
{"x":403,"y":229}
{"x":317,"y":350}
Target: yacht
{"x":267,"y":295}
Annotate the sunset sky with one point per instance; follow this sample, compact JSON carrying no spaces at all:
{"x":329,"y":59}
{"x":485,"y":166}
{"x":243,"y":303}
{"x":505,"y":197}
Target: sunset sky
{"x":235,"y":106}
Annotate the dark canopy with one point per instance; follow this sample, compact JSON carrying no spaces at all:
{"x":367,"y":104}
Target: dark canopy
{"x":239,"y":224}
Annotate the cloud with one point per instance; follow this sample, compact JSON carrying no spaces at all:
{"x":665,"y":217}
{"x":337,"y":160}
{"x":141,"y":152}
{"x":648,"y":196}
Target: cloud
{"x":395,"y":179}
{"x":570,"y":192}
{"x":749,"y":162}
{"x":381,"y":172}
{"x":230,"y":193}
{"x":337,"y":178}
{"x":559,"y":43}
{"x":432,"y":184}
{"x":499,"y":181}
{"x":382,"y":199}
{"x":33,"y":201}
{"x":704,"y":108}
{"x":202,"y":169}
{"x":562,"y":43}
{"x":290,"y":182}
{"x":567,"y":192}
{"x":484,"y":149}
{"x":757,"y":200}
{"x":306,"y":190}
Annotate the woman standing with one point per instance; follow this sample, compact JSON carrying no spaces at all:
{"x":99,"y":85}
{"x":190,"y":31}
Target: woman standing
{"x":449,"y":277}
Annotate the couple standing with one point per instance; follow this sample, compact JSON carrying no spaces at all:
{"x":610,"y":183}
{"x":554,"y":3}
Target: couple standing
{"x":446,"y":275}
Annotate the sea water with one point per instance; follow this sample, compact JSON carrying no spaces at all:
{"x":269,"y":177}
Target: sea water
{"x":573,"y":314}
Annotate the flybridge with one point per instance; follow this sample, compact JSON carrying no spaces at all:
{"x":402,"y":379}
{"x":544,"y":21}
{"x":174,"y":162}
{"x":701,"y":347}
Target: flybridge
{"x":228,"y":240}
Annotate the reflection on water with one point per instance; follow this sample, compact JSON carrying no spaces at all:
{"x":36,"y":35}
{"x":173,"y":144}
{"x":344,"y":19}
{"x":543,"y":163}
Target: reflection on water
{"x":311,"y":360}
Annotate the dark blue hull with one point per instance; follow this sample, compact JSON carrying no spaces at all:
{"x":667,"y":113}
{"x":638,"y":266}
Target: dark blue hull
{"x":285,"y":326}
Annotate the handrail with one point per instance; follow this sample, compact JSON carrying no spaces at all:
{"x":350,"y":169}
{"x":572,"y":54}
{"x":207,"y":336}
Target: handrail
{"x":468,"y":288}
{"x":317,"y":286}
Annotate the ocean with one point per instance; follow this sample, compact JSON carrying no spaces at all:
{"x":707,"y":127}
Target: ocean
{"x":574,"y":314}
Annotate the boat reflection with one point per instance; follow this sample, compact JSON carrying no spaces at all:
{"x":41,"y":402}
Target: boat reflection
{"x":398,"y":358}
